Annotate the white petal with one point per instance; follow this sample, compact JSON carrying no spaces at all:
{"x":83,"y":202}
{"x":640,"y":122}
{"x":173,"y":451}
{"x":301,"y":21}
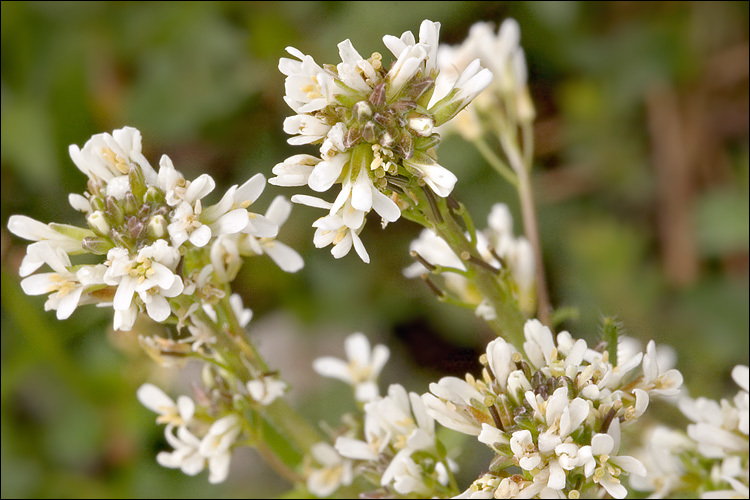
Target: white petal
{"x":284,"y":256}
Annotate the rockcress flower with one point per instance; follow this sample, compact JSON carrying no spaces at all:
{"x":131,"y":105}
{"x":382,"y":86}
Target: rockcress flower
{"x":152,"y":227}
{"x":497,"y":246}
{"x":374,"y":124}
{"x":554,"y":410}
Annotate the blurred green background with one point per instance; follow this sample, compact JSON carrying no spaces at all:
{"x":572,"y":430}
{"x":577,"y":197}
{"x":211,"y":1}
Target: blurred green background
{"x":641,"y":183}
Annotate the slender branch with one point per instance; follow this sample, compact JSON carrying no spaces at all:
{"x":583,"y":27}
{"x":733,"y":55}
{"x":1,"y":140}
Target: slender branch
{"x":245,"y":363}
{"x":495,"y":161}
{"x":521,"y":163}
{"x":508,"y":321}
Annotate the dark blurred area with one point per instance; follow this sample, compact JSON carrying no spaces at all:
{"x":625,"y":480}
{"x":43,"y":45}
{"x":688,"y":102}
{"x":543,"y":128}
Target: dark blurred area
{"x":641,"y":181}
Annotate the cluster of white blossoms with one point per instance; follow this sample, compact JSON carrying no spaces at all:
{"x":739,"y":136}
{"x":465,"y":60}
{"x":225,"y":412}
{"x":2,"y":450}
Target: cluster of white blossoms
{"x":205,"y":434}
{"x":502,"y":54}
{"x":161,"y":248}
{"x":551,"y":414}
{"x":362,"y":368}
{"x":394,"y":446}
{"x":499,"y":248}
{"x":191,"y":453}
{"x":374,"y":124}
{"x":712,"y":458}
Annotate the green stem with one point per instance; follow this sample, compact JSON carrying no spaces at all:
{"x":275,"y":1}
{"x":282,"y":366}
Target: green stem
{"x":528,"y":210}
{"x":245,"y":362}
{"x":495,"y":161}
{"x":509,"y":320}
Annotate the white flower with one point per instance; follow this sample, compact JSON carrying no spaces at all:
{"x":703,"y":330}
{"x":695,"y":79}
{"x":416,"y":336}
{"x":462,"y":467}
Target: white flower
{"x":396,"y":423}
{"x":450,"y":404}
{"x":216,"y":446}
{"x":64,"y":285}
{"x":440,"y":179}
{"x":110,"y":157}
{"x":603,"y":463}
{"x":186,"y":226}
{"x":308,"y":86}
{"x":661,"y":458}
{"x":656,"y":379}
{"x":308,"y":128}
{"x":469,"y":84}
{"x":186,"y":455}
{"x":177,"y":189}
{"x":265,"y":390}
{"x":294,"y":171}
{"x":150,"y":274}
{"x":405,"y":475}
{"x":369,"y":122}
{"x":68,"y":238}
{"x":525,"y":450}
{"x":339,"y":228}
{"x":405,"y":418}
{"x":170,"y":413}
{"x":284,"y":256}
{"x":362,"y":368}
{"x":243,"y":314}
{"x":225,"y":257}
{"x":720,"y":429}
{"x":336,"y":471}
{"x":502,"y":55}
{"x":230,"y":214}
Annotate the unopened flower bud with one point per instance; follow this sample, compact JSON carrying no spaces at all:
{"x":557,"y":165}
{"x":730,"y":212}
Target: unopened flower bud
{"x":369,"y":132}
{"x":157,"y":227}
{"x":97,"y":203}
{"x":135,"y":227}
{"x":121,"y":240}
{"x":154,"y":196}
{"x":131,"y":204}
{"x":137,"y":182}
{"x":422,"y":125}
{"x":96,"y":245}
{"x":386,"y":140}
{"x":425,"y":143}
{"x":377,"y":98}
{"x":114,"y":212}
{"x":362,"y":111}
{"x":98,"y":223}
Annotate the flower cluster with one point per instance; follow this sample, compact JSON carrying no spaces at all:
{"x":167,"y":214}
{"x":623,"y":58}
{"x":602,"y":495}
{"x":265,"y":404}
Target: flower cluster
{"x":394,"y":446}
{"x":398,"y":445}
{"x":501,"y":53}
{"x":552,"y":415}
{"x":191,"y":453}
{"x":375,"y":127}
{"x":499,"y":248}
{"x":163,"y":252}
{"x":712,"y":458}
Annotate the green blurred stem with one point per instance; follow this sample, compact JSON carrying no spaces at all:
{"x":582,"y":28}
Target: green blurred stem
{"x":246,"y":364}
{"x":521,"y":164}
{"x":495,"y":161}
{"x":521,"y":160}
{"x":509,"y":320}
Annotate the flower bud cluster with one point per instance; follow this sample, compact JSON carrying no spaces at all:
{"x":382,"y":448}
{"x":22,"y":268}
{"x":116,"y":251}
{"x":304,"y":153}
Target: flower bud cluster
{"x":551,"y":414}
{"x":511,"y":256}
{"x":161,"y":251}
{"x":374,"y":123}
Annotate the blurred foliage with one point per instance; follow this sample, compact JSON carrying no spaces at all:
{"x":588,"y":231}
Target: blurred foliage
{"x":642,"y":187}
